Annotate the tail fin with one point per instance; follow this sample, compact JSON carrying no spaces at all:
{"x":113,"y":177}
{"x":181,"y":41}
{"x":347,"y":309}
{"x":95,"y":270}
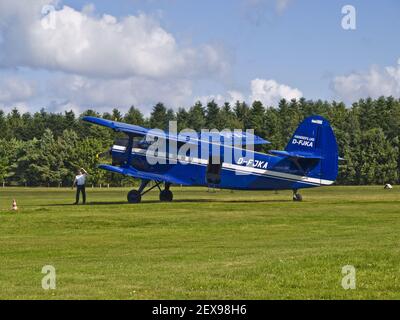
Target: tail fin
{"x":314,"y":139}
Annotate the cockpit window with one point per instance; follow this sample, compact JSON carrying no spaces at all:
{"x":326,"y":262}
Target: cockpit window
{"x":123,"y":142}
{"x":143,"y":144}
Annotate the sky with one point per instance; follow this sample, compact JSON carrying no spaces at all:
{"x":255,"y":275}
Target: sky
{"x":75,"y":55}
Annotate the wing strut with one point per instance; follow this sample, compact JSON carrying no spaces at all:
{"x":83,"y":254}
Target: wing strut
{"x":129,"y":150}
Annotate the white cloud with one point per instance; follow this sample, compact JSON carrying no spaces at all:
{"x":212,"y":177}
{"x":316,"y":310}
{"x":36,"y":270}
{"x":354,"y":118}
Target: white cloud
{"x":235,"y":96}
{"x":373,"y":83}
{"x":14,"y":89}
{"x":22,"y":107}
{"x":230,"y":96}
{"x":218,"y":98}
{"x":61,"y":106}
{"x":82,"y":60}
{"x":264,"y":11}
{"x":101,"y":46}
{"x":281,"y":5}
{"x":57,"y":92}
{"x":104,"y":94}
{"x":269,"y":92}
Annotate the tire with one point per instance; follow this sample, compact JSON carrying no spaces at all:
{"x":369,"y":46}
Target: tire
{"x":134,"y":196}
{"x":297,"y":197}
{"x":166,"y":196}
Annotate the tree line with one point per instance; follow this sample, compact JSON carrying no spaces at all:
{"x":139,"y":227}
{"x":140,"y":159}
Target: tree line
{"x":45,"y":149}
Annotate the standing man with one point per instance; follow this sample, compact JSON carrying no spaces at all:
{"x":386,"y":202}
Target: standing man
{"x":80,"y":180}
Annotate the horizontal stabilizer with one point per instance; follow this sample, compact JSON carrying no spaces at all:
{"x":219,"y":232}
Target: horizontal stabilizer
{"x":230,"y":138}
{"x":142,"y":174}
{"x":296,"y":154}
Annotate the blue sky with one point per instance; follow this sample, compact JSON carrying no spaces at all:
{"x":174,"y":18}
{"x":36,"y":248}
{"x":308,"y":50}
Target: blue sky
{"x":296,"y":46}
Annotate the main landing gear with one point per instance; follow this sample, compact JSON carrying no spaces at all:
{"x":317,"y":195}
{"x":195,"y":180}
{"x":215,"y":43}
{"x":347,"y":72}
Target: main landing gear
{"x":297,"y":196}
{"x":166,"y":194}
{"x":135,"y":196}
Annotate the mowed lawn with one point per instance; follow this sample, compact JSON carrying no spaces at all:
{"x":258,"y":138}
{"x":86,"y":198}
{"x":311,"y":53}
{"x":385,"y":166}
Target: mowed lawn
{"x":204,"y":245}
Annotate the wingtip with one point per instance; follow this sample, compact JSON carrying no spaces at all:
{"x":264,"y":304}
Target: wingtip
{"x":88,"y":118}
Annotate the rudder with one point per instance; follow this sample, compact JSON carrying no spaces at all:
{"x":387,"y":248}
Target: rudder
{"x":315,"y":138}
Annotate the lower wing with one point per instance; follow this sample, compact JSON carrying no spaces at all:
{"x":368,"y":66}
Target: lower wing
{"x":143,"y":175}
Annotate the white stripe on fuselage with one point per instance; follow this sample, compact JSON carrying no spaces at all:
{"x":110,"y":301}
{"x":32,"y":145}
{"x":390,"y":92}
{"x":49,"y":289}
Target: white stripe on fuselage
{"x":235,"y":167}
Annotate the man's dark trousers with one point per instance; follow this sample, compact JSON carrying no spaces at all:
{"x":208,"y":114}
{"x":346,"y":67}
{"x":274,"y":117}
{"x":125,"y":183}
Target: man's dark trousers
{"x":78,"y":190}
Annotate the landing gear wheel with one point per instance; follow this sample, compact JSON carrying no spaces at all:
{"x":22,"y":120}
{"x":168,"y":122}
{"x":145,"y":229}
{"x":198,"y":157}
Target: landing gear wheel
{"x":134,"y":196}
{"x":166,"y":196}
{"x":297,"y":197}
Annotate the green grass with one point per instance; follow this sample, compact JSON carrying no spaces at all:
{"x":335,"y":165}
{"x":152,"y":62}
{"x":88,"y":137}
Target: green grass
{"x":223,"y":245}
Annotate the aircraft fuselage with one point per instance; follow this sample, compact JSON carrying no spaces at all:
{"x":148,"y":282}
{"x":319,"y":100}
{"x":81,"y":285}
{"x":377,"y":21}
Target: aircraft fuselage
{"x":254,"y":171}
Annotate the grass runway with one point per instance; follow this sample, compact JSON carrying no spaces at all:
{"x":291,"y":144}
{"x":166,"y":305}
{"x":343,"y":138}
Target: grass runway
{"x":204,"y":245}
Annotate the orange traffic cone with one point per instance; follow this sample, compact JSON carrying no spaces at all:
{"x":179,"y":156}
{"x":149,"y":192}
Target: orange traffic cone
{"x":14,"y":205}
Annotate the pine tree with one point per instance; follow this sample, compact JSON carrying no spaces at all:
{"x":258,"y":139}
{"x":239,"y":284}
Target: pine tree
{"x":134,"y":116}
{"x":158,"y":117}
{"x":242,"y":113}
{"x":212,"y":115}
{"x":196,"y":117}
{"x":182,"y":117}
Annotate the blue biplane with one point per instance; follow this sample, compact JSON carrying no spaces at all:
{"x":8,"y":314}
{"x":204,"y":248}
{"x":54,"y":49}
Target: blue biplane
{"x":310,"y":159}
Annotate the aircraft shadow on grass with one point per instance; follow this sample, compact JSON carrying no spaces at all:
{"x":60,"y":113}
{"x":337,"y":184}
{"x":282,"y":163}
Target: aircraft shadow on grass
{"x":106,"y":203}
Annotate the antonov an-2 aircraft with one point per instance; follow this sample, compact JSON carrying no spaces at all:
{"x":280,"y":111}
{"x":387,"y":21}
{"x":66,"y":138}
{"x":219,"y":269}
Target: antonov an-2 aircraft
{"x":310,"y":159}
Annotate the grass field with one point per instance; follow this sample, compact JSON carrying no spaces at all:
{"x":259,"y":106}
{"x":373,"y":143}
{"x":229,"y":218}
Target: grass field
{"x":223,"y":245}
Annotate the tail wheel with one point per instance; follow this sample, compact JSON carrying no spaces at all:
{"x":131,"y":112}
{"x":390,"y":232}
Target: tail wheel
{"x":134,"y":196}
{"x":297,"y":197}
{"x":166,"y":196}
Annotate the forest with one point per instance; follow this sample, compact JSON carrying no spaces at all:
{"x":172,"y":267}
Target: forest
{"x":45,"y":149}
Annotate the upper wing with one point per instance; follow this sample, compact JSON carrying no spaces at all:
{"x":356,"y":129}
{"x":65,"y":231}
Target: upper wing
{"x":214,"y":137}
{"x":132,"y":172}
{"x":118,"y":126}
